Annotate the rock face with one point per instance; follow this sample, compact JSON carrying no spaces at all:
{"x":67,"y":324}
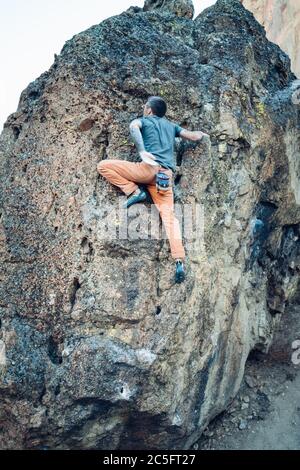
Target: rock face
{"x":99,"y":348}
{"x":281,"y":19}
{"x":184,"y":8}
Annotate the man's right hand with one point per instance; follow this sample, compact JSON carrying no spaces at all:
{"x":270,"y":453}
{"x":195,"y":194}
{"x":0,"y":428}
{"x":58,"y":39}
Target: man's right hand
{"x":199,"y":135}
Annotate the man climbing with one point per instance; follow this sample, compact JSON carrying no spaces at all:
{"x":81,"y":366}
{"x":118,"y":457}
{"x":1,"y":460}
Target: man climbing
{"x":154,"y":137}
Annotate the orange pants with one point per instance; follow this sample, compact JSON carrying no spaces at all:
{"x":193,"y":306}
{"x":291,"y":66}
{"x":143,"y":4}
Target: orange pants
{"x":125,"y":175}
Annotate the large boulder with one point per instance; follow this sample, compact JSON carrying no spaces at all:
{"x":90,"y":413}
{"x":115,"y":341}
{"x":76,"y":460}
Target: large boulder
{"x":99,"y":348}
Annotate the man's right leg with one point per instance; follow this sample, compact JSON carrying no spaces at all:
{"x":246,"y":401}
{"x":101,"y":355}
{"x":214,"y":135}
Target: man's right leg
{"x":125,"y":174}
{"x":164,"y":202}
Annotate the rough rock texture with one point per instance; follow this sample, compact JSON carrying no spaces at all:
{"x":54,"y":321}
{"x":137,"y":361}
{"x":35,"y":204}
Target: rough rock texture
{"x":281,"y":19}
{"x":99,"y":348}
{"x":184,"y":8}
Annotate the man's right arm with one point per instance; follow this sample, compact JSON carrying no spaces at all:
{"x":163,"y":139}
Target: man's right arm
{"x":192,"y":135}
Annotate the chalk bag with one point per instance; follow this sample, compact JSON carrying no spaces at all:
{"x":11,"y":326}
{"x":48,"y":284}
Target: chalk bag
{"x":162,"y":181}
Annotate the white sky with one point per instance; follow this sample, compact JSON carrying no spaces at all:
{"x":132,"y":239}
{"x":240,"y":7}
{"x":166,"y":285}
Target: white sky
{"x":32,"y":31}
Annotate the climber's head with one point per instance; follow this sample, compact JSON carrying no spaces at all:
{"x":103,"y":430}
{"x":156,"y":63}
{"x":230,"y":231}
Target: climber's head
{"x":155,"y":105}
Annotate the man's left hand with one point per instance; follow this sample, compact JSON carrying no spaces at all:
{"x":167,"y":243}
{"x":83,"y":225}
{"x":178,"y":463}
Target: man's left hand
{"x":147,"y":155}
{"x":148,"y":158}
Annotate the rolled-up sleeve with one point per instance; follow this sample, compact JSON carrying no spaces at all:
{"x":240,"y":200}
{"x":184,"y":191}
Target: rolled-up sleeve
{"x":178,"y":129}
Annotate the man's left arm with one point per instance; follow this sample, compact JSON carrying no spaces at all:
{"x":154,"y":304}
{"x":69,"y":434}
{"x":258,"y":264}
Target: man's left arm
{"x":135,"y":131}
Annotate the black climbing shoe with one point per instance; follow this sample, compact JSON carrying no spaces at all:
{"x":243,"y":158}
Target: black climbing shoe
{"x":142,"y":196}
{"x":179,"y":275}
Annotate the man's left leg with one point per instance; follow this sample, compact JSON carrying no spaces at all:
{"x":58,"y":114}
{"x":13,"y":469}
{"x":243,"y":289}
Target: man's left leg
{"x":126,"y":174}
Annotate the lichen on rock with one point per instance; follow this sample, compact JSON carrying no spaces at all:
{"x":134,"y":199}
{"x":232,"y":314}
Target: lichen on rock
{"x":183,"y":8}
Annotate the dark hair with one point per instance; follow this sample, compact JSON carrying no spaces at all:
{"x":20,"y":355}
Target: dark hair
{"x":157,"y":105}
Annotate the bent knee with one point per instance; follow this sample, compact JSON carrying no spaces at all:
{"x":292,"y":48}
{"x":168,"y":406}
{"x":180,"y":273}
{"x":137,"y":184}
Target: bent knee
{"x":101,"y":166}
